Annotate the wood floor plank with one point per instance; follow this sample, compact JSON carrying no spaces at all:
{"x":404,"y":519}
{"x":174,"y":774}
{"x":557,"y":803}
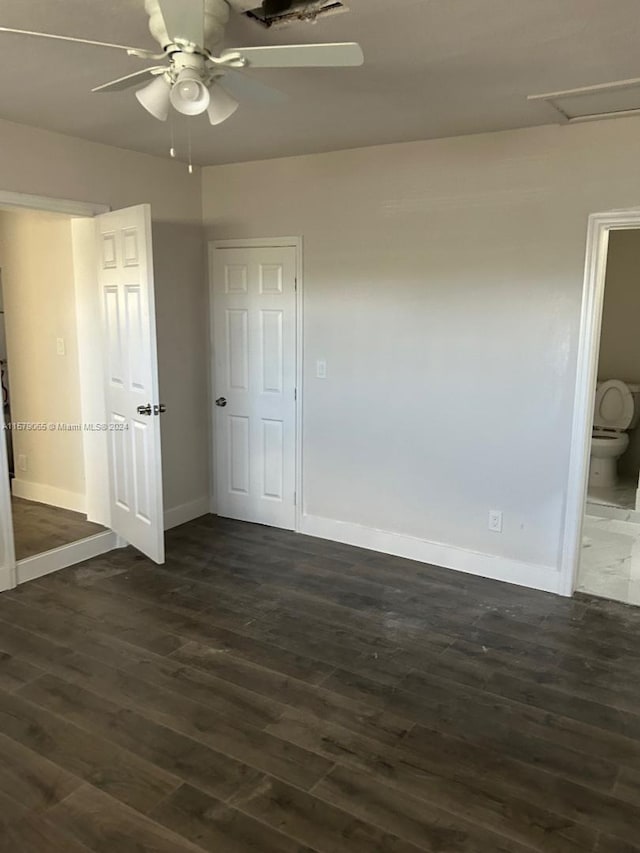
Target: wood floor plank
{"x":218,"y":827}
{"x":627,"y":786}
{"x":191,"y":760}
{"x":545,"y":737}
{"x":65,"y":630}
{"x":312,"y":822}
{"x":219,"y":694}
{"x":15,"y":672}
{"x":35,"y":782}
{"x":414,"y":820}
{"x":324,"y":704}
{"x":264,"y":691}
{"x":10,"y":811}
{"x":105,"y":826}
{"x":37,"y":834}
{"x":597,"y":645}
{"x":606,"y":844}
{"x":106,"y":766}
{"x":443,"y":784}
{"x":478,"y":665}
{"x":199,"y":627}
{"x":230,"y":736}
{"x":578,"y":800}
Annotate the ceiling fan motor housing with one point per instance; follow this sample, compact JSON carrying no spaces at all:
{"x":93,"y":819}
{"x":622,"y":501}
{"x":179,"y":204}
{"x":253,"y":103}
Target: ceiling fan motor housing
{"x":216,"y":16}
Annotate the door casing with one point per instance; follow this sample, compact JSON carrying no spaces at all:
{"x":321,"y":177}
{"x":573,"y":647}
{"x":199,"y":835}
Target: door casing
{"x":262,"y":243}
{"x":599,"y":227}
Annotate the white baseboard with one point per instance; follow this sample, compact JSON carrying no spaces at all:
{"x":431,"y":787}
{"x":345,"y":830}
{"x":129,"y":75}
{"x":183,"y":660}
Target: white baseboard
{"x":545,"y":578}
{"x":66,"y":555}
{"x":186,"y":512}
{"x":48,"y":495}
{"x":6,"y":579}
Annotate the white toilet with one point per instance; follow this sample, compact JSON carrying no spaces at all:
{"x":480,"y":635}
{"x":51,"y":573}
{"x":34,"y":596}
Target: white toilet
{"x":616,"y":411}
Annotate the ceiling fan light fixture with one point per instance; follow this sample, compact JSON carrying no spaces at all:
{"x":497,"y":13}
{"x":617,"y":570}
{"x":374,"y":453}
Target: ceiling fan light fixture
{"x":221,"y":105}
{"x":155,"y":97}
{"x":189,"y":95}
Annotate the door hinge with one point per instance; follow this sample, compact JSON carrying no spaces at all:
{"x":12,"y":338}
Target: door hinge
{"x":295,"y":393}
{"x":295,"y":499}
{"x":295,"y":284}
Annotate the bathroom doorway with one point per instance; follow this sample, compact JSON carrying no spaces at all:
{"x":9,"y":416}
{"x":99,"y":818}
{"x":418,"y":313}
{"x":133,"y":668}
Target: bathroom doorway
{"x":608,"y":564}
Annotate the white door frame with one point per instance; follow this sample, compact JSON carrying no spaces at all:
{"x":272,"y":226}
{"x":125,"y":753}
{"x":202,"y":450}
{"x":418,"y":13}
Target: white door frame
{"x":600,"y":226}
{"x":14,"y":572}
{"x":262,"y":243}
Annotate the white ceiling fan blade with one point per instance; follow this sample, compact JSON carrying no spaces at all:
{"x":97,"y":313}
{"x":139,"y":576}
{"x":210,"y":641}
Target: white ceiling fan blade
{"x":301,"y":55}
{"x":184,"y":19}
{"x":129,"y":80}
{"x":137,"y":51}
{"x":243,"y":87}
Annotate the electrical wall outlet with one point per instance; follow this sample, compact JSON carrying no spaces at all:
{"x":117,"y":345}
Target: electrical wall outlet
{"x":495,"y":521}
{"x":22,"y":462}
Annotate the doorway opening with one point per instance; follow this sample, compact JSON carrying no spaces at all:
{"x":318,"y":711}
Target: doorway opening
{"x":602,"y":541}
{"x":41,"y":382}
{"x":256,"y":340}
{"x":80,"y":472}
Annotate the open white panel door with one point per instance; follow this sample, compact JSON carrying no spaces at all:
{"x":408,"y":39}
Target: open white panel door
{"x":125,"y":278}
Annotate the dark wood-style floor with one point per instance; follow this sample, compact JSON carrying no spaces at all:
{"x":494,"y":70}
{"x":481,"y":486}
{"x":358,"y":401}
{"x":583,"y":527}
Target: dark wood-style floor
{"x":38,"y":527}
{"x":272,"y":693}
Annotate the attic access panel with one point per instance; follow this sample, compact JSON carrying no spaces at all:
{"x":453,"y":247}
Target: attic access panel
{"x":278,"y":12}
{"x":589,"y":103}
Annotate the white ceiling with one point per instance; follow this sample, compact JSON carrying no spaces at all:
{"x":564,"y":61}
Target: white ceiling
{"x":433,"y":68}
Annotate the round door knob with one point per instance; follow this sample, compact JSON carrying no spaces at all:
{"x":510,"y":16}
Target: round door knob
{"x":222,"y":402}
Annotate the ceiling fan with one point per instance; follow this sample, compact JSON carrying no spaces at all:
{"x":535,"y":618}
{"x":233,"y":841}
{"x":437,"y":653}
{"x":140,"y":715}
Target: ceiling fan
{"x":194,"y":79}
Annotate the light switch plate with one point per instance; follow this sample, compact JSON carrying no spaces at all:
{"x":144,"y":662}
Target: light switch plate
{"x":321,"y":369}
{"x":60,"y":347}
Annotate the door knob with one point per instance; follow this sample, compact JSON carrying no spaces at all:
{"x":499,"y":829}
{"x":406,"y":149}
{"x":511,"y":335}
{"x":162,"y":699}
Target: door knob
{"x":144,"y":410}
{"x":222,"y":402}
{"x":159,"y":409}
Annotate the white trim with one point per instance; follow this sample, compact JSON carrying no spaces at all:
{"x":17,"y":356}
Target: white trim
{"x":66,"y":555}
{"x":178,"y":515}
{"x":546,"y":578}
{"x":55,"y":205}
{"x":259,"y":243}
{"x":90,"y":364}
{"x":604,"y":116}
{"x":51,"y":495}
{"x":7,"y":578}
{"x":600,"y":225}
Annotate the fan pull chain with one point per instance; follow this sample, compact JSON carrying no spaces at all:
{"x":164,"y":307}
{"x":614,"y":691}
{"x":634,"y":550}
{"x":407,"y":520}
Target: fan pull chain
{"x":189,"y":144}
{"x":172,"y":149}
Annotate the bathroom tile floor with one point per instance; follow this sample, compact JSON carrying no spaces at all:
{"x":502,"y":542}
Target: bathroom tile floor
{"x":610,"y":560}
{"x":623,"y":495}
